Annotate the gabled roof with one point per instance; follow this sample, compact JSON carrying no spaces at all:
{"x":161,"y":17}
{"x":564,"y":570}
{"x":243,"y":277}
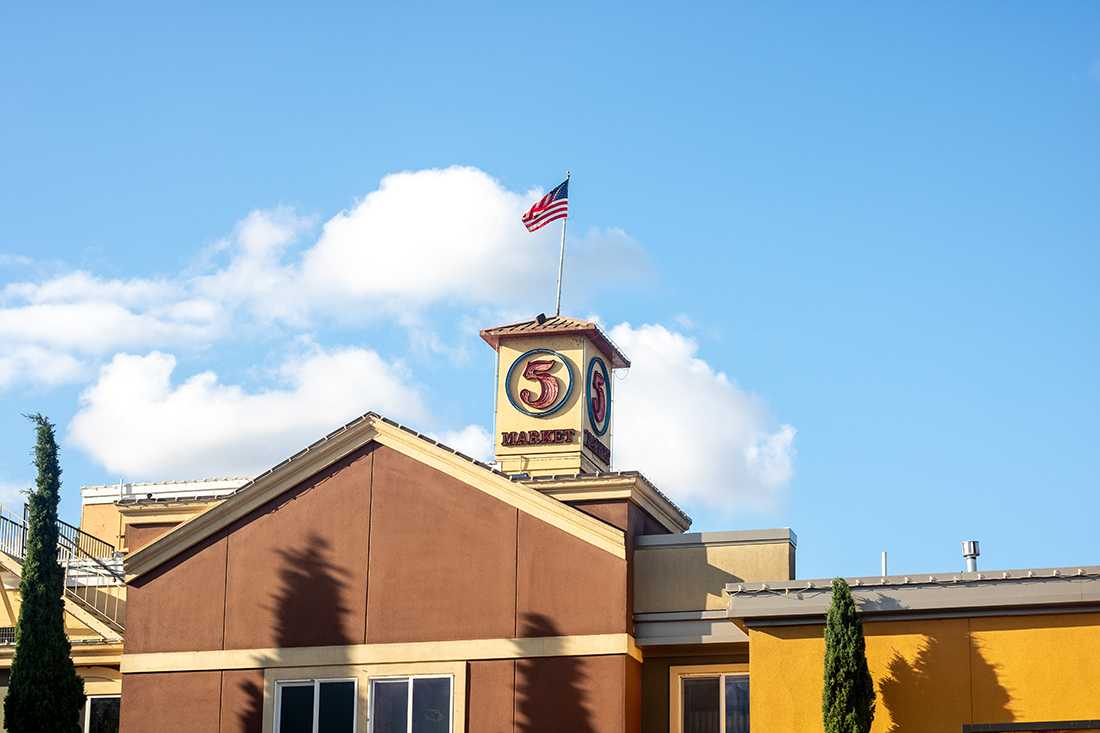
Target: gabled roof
{"x":558,"y":326}
{"x":340,"y":443}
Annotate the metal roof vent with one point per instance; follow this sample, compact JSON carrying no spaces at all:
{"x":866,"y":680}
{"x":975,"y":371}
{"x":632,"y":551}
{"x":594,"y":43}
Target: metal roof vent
{"x":971,"y":553}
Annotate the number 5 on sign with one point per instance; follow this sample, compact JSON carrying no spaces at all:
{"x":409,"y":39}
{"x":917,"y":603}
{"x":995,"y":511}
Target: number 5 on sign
{"x":538,"y":370}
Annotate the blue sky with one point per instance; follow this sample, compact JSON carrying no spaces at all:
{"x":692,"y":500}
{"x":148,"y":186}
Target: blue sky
{"x":879,"y":223}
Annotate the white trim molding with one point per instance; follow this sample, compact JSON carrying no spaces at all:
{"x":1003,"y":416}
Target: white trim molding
{"x":402,"y":653}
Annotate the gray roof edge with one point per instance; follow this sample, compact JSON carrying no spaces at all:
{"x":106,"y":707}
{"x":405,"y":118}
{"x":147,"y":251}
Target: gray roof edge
{"x":917,"y":579}
{"x":731,"y":537}
{"x":956,"y":594}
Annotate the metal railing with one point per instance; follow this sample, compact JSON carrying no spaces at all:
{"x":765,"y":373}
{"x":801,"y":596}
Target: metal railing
{"x":7,"y":635}
{"x":91,"y":582}
{"x":13,"y":537}
{"x":84,"y":543}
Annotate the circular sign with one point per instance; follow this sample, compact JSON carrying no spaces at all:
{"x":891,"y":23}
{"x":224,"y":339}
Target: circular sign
{"x":597,"y":395}
{"x":539,"y":382}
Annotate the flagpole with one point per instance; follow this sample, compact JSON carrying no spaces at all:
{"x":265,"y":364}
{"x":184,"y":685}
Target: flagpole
{"x":561,"y":257}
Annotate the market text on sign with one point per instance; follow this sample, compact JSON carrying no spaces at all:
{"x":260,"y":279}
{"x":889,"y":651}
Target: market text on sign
{"x":537,"y":437}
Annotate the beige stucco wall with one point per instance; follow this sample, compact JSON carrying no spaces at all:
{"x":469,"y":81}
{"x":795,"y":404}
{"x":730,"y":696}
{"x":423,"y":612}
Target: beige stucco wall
{"x":692,"y":577}
{"x":102,"y":521}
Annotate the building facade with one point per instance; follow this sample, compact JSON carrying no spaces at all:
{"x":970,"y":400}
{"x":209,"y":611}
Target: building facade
{"x":380,"y":582}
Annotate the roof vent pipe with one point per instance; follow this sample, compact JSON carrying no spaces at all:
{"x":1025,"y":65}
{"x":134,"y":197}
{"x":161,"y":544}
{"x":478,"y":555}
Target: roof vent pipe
{"x":971,"y":553}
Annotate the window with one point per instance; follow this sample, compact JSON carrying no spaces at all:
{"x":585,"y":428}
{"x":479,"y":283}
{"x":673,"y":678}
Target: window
{"x":709,"y":699}
{"x":101,"y":714}
{"x":419,"y":704}
{"x":315,"y":706}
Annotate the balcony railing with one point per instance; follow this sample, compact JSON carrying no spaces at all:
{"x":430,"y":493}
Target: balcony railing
{"x":92,"y":581}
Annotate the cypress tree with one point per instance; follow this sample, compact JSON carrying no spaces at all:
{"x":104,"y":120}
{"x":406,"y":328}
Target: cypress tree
{"x":848,"y":699}
{"x":45,"y":694}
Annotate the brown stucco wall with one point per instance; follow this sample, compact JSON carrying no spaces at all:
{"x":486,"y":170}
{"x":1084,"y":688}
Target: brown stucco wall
{"x":297,"y":565}
{"x":174,"y":702}
{"x":566,"y":586}
{"x":491,"y":696}
{"x":576,"y":694}
{"x":442,"y":557}
{"x":633,"y":716}
{"x":242,"y":701}
{"x":180,"y":605}
{"x":381,"y":548}
{"x":139,"y":535}
{"x":615,"y":512}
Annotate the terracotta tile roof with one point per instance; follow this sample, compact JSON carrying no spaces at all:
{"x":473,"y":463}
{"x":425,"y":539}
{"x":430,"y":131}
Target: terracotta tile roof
{"x":558,"y":326}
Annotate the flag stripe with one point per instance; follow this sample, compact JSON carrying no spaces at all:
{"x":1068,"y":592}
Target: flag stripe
{"x":552,"y":210}
{"x":544,"y":222}
{"x":551,"y":207}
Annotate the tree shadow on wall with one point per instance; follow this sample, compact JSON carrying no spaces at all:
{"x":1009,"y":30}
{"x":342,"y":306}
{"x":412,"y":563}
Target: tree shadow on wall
{"x":551,"y":692}
{"x":309,"y":611}
{"x":913,"y":689}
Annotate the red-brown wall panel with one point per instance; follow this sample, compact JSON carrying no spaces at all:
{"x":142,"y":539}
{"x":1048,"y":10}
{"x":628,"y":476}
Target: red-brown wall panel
{"x":298,"y":564}
{"x":179,"y":606}
{"x":171,"y":702}
{"x":139,"y":535}
{"x":614,"y":512}
{"x":574,"y":694}
{"x":633,"y":697}
{"x":242,"y":702}
{"x":565,"y":585}
{"x":442,"y":556}
{"x":490,"y":696}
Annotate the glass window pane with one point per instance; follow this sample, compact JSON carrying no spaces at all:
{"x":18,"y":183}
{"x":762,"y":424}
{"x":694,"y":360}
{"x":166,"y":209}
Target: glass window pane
{"x":737,"y":704}
{"x":296,"y":708}
{"x":389,"y":706}
{"x":337,"y":708}
{"x":103,"y":716}
{"x":432,"y":705}
{"x":700,"y":704}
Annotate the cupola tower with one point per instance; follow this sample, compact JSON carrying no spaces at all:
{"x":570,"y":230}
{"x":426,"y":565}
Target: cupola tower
{"x":554,"y":396}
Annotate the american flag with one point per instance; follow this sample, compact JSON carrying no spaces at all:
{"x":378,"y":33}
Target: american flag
{"x":551,"y":207}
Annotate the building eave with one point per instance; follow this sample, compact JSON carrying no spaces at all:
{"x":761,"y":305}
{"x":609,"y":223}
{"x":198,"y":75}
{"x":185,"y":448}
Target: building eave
{"x":999,"y":592}
{"x":341,"y":443}
{"x":629,"y":485}
{"x":557,"y":326}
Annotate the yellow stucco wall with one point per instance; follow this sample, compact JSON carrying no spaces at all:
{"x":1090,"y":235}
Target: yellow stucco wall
{"x":935,"y":675}
{"x":102,"y":521}
{"x":542,"y":460}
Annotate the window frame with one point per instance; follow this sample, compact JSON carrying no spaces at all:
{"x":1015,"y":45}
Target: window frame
{"x":316,"y":683}
{"x":409,"y":678}
{"x":88,"y":707}
{"x":676,"y":676}
{"x":363,"y":672}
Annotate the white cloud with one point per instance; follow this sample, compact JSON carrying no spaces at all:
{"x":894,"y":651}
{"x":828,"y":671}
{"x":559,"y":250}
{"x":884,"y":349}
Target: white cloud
{"x":696,"y":434}
{"x":79,"y":286}
{"x":38,"y":366}
{"x":51,"y":331}
{"x":447,"y":236}
{"x":100,"y":327}
{"x":450,"y":235}
{"x":256,"y":275}
{"x":473,"y":440}
{"x":138,"y":424}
